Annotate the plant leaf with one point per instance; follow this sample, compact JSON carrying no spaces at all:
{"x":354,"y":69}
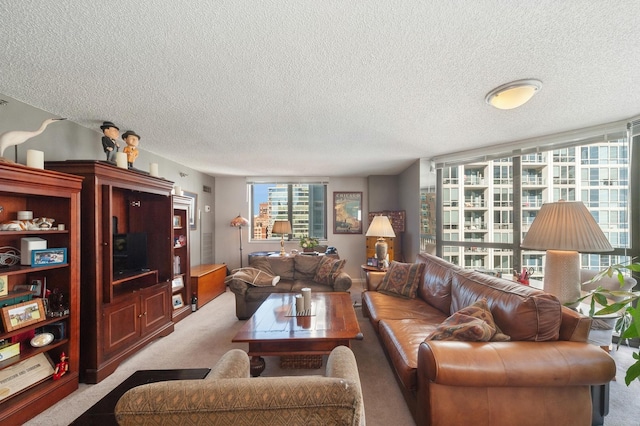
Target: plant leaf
{"x":633,"y":372}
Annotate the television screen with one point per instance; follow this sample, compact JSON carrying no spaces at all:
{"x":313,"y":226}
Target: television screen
{"x":129,"y":252}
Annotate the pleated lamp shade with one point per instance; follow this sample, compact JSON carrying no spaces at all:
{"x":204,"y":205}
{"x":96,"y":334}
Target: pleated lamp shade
{"x":566,"y":225}
{"x":563,"y":229}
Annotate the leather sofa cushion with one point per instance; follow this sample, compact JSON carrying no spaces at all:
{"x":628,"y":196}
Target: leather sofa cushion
{"x":405,"y":336}
{"x":283,"y":266}
{"x":435,"y":287}
{"x":522,"y":312}
{"x":262,"y":263}
{"x":385,"y":307}
{"x":305,"y":266}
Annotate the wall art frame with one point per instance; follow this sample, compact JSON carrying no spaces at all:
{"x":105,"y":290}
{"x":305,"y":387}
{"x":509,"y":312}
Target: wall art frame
{"x":347,"y":212}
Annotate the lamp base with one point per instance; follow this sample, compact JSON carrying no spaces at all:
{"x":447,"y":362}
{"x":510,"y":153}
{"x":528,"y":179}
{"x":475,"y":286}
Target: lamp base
{"x":562,"y":276}
{"x":282,"y":252}
{"x":382,"y":248}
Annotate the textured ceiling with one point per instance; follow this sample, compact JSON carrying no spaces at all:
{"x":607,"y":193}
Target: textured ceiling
{"x":320,"y":88}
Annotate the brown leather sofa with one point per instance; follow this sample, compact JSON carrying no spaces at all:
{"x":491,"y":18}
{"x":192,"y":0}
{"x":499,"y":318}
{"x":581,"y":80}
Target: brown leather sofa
{"x":294,"y":272}
{"x":542,"y":376}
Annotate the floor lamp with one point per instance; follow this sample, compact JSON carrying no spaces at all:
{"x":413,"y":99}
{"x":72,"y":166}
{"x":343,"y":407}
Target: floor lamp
{"x":563,"y":229}
{"x":239,"y":222}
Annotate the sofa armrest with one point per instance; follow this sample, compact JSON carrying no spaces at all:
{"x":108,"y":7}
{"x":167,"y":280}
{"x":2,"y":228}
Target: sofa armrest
{"x":251,"y":401}
{"x":342,"y":282}
{"x":238,"y":287}
{"x":233,"y":365}
{"x":374,"y":279}
{"x":514,"y":364}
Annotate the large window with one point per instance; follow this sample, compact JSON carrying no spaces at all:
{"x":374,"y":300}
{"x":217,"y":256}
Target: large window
{"x":482,"y":234}
{"x":302,"y":204}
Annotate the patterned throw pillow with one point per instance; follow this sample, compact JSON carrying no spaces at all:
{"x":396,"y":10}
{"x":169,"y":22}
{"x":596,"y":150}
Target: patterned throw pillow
{"x":471,"y":324}
{"x":328,"y":270}
{"x":402,"y":279}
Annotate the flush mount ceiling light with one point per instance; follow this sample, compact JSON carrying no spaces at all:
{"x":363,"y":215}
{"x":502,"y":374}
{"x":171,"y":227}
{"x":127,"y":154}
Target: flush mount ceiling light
{"x":514,"y":94}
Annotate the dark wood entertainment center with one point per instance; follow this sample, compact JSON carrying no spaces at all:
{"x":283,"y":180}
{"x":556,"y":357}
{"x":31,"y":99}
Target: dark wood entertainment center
{"x":121,"y":313}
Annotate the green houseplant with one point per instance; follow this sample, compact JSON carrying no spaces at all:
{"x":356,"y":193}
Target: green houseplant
{"x":308,"y":242}
{"x":628,"y":325}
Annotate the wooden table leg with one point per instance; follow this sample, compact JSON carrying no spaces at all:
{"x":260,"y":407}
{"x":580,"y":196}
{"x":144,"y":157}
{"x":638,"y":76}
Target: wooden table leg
{"x":256,"y":366}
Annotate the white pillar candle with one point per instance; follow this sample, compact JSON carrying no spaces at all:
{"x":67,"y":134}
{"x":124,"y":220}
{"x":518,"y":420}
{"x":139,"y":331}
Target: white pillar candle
{"x":153,"y":169}
{"x":299,"y":304}
{"x":121,"y":160}
{"x":35,"y":159}
{"x":177,"y":190}
{"x":306,"y":296}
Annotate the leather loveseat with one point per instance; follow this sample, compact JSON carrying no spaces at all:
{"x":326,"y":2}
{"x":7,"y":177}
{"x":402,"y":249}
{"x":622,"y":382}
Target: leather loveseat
{"x":228,"y":396}
{"x":293,"y":273}
{"x":541,"y":376}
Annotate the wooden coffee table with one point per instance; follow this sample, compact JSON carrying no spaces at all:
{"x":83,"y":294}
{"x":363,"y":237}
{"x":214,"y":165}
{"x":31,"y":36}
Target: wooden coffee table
{"x":274,"y":330}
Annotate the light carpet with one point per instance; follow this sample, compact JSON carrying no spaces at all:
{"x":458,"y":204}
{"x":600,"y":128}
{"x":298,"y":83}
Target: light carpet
{"x":202,"y":338}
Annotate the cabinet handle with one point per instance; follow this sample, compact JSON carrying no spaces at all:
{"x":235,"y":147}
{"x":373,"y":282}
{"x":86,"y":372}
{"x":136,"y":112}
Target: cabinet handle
{"x":140,"y":316}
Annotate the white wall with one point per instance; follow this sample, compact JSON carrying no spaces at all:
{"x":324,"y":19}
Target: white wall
{"x":232,"y":198}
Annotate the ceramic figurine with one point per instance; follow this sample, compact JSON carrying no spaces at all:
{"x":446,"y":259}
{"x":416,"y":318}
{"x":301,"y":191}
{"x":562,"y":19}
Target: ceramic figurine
{"x":62,"y":367}
{"x":16,"y":137}
{"x":132,"y":140}
{"x":110,"y":140}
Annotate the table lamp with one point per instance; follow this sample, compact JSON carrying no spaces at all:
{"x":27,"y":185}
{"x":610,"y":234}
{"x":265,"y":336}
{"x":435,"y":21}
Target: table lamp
{"x":239,"y":222}
{"x":381,"y":227}
{"x":281,"y":227}
{"x":563,"y":229}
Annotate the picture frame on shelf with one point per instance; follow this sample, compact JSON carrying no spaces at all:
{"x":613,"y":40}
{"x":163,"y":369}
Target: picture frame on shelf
{"x":177,"y":222}
{"x":193,"y":208}
{"x":4,"y":285}
{"x":22,"y":314}
{"x":36,"y":284}
{"x":176,"y":301}
{"x":177,"y":283}
{"x":49,"y":256}
{"x":347,"y":212}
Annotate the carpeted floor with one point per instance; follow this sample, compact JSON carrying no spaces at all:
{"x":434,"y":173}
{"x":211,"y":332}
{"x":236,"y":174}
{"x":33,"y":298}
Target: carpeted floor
{"x":202,"y":338}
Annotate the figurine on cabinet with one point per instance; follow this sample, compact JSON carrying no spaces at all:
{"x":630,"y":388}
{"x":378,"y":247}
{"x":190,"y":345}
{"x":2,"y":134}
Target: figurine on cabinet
{"x":110,"y":140}
{"x":132,"y":140}
{"x":62,"y":367}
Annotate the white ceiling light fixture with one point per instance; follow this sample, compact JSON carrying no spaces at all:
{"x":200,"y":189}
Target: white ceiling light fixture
{"x":514,"y":94}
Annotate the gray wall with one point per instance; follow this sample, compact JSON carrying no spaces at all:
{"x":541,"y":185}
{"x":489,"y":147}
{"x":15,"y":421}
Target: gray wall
{"x":214,"y":240}
{"x":66,"y":140}
{"x":232,"y":198}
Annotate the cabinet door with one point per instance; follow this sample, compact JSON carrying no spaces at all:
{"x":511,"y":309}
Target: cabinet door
{"x":121,"y":324}
{"x":156,"y":308}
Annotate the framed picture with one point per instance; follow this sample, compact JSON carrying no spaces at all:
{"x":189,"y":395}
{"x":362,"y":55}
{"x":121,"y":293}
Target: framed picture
{"x":22,"y":314}
{"x":177,"y":301}
{"x":193,"y":208}
{"x":372,"y":261}
{"x":4,"y":285}
{"x":177,"y":283}
{"x":50,"y":256}
{"x":347,"y":212}
{"x":177,"y":221}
